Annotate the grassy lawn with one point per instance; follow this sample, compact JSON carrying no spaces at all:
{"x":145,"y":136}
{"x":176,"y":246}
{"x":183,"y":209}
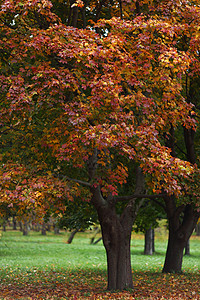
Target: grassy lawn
{"x":46,"y":267}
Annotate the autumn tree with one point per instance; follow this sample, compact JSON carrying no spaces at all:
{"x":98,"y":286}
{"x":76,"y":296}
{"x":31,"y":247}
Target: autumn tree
{"x":182,"y":212}
{"x":89,"y":107}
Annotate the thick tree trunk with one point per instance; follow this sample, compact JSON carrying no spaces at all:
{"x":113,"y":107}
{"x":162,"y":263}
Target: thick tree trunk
{"x":116,"y":229}
{"x":174,"y":255}
{"x":116,"y":234}
{"x":179,"y":233}
{"x":149,"y":242}
{"x":116,"y":240}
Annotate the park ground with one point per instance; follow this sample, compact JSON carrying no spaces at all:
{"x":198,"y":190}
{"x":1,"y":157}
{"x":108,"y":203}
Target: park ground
{"x":46,"y":267}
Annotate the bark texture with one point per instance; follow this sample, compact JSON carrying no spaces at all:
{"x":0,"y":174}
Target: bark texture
{"x":182,"y":221}
{"x":116,"y":233}
{"x":149,"y":242}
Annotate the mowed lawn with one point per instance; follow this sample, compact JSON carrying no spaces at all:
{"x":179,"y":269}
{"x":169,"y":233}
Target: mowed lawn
{"x":46,"y":267}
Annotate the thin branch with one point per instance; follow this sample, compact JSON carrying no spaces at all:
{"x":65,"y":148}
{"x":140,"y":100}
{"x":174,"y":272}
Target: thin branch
{"x":85,"y":183}
{"x":11,"y":127}
{"x":181,"y":150}
{"x":121,"y":11}
{"x":159,"y":203}
{"x":137,"y":196}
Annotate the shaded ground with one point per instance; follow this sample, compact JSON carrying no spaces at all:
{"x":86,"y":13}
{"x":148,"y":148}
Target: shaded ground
{"x":37,"y":284}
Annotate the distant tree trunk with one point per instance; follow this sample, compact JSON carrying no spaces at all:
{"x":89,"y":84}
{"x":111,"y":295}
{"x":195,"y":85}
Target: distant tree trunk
{"x":153,"y":240}
{"x":25,"y":229}
{"x":72,"y":235}
{"x":37,"y":227}
{"x":197,"y":230}
{"x":97,"y":241}
{"x":4,"y":224}
{"x":14,"y":223}
{"x":149,"y":241}
{"x":97,"y":230}
{"x":187,"y":247}
{"x":179,"y":233}
{"x":48,"y":227}
{"x":56,"y":230}
{"x":20,"y":226}
{"x":43,"y":231}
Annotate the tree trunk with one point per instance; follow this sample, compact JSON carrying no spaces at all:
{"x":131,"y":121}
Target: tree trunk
{"x":72,"y":235}
{"x":4,"y":224}
{"x":153,"y":240}
{"x":14,"y":223}
{"x":180,"y":230}
{"x":96,"y":231}
{"x":97,"y":241}
{"x":43,"y":231}
{"x":116,"y":229}
{"x":197,"y":230}
{"x":20,"y":226}
{"x":116,"y":240}
{"x":25,"y":229}
{"x":149,"y":241}
{"x":187,"y":247}
{"x":174,"y":255}
{"x":56,"y":230}
{"x":48,"y":227}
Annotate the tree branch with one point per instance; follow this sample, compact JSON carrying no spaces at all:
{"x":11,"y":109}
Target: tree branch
{"x":137,"y":196}
{"x":159,"y":203}
{"x":85,"y":183}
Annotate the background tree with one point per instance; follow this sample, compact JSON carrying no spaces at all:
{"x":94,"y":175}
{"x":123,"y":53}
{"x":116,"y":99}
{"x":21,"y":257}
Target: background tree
{"x":147,"y":221}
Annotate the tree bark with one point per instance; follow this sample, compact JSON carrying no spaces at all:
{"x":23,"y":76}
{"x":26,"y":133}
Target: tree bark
{"x":25,"y":228}
{"x":174,"y":254}
{"x":116,"y":239}
{"x":72,"y":235}
{"x":14,"y":223}
{"x":182,"y":219}
{"x":43,"y":231}
{"x":197,"y":230}
{"x":187,"y":247}
{"x":116,"y":235}
{"x":4,"y":224}
{"x":149,"y":241}
{"x":116,"y":229}
{"x":179,"y":233}
{"x":153,"y":240}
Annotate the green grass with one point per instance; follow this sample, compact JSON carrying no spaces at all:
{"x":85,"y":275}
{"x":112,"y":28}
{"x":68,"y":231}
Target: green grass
{"x":46,"y":265}
{"x":52,"y":251}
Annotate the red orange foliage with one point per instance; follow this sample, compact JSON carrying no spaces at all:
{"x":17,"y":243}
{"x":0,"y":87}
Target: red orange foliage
{"x":116,"y":92}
